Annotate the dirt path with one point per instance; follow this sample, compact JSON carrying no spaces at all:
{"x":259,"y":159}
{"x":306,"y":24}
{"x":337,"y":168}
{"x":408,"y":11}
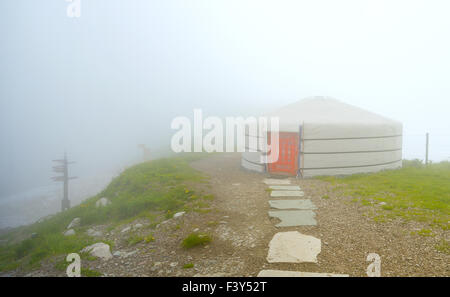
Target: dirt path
{"x":348,"y":235}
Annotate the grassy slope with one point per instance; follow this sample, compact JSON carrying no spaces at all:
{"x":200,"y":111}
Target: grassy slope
{"x":159,"y":186}
{"x":414,"y":192}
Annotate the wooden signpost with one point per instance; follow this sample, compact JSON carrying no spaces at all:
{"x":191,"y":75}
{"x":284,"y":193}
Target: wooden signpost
{"x":63,"y":167}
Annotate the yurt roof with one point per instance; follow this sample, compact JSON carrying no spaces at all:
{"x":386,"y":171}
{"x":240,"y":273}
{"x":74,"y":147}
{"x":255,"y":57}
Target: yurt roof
{"x":325,"y":110}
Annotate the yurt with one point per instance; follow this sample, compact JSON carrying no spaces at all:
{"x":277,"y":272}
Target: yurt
{"x":324,"y":136}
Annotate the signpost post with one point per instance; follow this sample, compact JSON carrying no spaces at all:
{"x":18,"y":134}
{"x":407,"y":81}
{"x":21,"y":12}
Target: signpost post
{"x":63,"y":167}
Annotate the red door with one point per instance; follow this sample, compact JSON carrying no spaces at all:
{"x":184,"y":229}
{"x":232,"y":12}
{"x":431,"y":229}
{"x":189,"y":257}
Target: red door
{"x":287,"y":163}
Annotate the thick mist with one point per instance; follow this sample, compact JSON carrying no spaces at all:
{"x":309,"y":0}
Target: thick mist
{"x":99,"y":85}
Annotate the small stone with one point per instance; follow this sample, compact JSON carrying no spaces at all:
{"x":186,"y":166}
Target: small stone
{"x":117,"y":254}
{"x":75,"y":223}
{"x":178,"y":214}
{"x":173,"y":264}
{"x":125,"y":255}
{"x":94,"y":233}
{"x":196,"y":230}
{"x":137,"y":226}
{"x":69,"y":232}
{"x":126,"y":229}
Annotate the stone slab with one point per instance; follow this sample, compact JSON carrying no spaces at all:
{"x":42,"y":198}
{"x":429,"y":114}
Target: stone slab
{"x":293,"y":218}
{"x":286,"y":193}
{"x":284,"y":273}
{"x":293,"y":247}
{"x":292,"y":204}
{"x":285,"y":188}
{"x":276,"y":181}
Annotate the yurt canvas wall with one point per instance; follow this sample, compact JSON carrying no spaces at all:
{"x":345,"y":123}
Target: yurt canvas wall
{"x":336,"y":138}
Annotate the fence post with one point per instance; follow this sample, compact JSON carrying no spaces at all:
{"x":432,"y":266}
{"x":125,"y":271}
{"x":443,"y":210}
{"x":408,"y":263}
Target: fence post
{"x":426,"y":149}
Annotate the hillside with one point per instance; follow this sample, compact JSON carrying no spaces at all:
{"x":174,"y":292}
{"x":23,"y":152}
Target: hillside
{"x":204,"y":215}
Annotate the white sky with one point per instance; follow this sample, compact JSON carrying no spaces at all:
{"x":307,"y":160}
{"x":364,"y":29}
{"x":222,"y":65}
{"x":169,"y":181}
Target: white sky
{"x":115,"y":77}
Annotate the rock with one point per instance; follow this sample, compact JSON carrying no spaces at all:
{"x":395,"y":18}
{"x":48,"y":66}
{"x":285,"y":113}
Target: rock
{"x":94,"y":233}
{"x":137,"y":226}
{"x":281,"y":193}
{"x":117,"y":254}
{"x":178,"y":214}
{"x":173,"y":264}
{"x":292,"y":204}
{"x":100,"y":250}
{"x":126,"y":229}
{"x":292,"y":218}
{"x":69,"y":232}
{"x":102,"y":202}
{"x":382,"y":203}
{"x":75,"y":223}
{"x":274,"y":181}
{"x":125,"y":255}
{"x":196,"y":230}
{"x":293,"y":247}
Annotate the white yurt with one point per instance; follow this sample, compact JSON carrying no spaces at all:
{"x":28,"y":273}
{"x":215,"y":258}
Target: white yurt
{"x":324,"y":136}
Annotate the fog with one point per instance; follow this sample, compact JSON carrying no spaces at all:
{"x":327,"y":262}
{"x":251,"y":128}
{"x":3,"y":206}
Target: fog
{"x":99,"y":85}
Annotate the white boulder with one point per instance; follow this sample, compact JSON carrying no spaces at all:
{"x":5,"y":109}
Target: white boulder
{"x":100,"y":250}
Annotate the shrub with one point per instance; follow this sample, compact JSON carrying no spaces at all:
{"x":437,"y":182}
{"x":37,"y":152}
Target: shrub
{"x":195,"y":239}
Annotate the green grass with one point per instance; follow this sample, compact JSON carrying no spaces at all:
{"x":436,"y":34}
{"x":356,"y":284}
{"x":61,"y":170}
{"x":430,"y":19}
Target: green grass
{"x":443,"y":247}
{"x":425,"y":232}
{"x":135,"y":239}
{"x":159,"y":186}
{"x":195,"y":239}
{"x":188,"y":266}
{"x":414,"y":192}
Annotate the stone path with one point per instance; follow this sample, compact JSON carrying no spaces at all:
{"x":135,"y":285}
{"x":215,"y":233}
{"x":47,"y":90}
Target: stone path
{"x":276,"y":193}
{"x":292,"y":246}
{"x":284,"y":188}
{"x":293,"y":218}
{"x":274,"y":181}
{"x":292,"y":204}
